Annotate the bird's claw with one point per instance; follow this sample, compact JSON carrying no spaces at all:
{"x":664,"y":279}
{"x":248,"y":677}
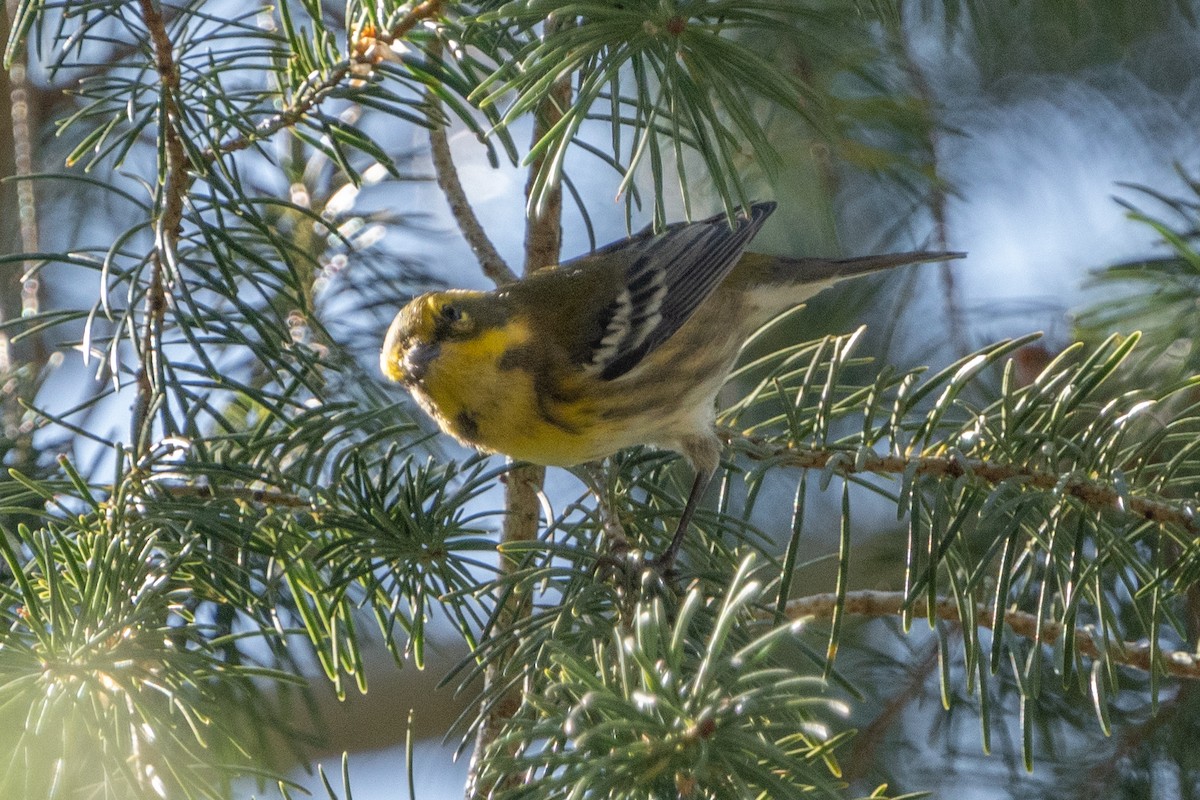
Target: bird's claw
{"x":626,"y":565}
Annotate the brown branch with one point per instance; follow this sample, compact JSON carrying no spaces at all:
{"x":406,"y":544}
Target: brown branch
{"x":416,"y":15}
{"x":490,"y":260}
{"x":523,"y":484}
{"x":243,"y":494}
{"x":308,"y":100}
{"x":167,"y":228}
{"x":543,"y":234}
{"x":543,"y":237}
{"x":869,"y":739}
{"x":868,"y":603}
{"x":20,"y":365}
{"x":1093,"y":493}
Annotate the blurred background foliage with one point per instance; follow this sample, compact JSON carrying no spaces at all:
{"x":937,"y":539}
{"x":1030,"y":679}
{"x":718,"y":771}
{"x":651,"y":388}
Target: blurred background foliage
{"x":220,"y":528}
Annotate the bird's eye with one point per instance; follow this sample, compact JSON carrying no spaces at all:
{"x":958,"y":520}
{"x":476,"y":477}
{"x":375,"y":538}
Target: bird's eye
{"x":451,"y":313}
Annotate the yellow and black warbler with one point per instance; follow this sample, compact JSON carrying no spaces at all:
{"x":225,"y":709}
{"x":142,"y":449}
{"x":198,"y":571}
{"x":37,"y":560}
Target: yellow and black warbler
{"x":623,"y":346}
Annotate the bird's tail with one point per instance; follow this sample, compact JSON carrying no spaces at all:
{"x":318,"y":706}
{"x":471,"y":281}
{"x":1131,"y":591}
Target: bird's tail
{"x":825,"y":271}
{"x":771,"y":284}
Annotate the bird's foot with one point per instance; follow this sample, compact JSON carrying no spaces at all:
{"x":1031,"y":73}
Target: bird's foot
{"x":663,"y":566}
{"x":627,"y":567}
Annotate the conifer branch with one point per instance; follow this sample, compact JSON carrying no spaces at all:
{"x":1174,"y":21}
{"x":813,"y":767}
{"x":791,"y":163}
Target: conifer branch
{"x":243,"y":494}
{"x":175,"y":182}
{"x":363,"y":53}
{"x":1094,"y":493}
{"x":416,"y":15}
{"x":302,"y":103}
{"x":869,"y":603}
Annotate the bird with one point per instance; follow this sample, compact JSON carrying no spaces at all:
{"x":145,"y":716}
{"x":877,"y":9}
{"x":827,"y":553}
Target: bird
{"x":626,"y":345}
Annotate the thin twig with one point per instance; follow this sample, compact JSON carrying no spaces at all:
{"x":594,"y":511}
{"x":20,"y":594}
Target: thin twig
{"x":168,"y":224}
{"x":242,"y":494}
{"x":490,"y":260}
{"x":523,"y":484}
{"x":868,"y":740}
{"x":20,"y":365}
{"x":868,"y":603}
{"x":1096,"y":494}
{"x":305,"y":101}
{"x":417,"y":14}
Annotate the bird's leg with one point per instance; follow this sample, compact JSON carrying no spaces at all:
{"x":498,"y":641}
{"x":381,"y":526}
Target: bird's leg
{"x":704,"y":452}
{"x":665,"y":562}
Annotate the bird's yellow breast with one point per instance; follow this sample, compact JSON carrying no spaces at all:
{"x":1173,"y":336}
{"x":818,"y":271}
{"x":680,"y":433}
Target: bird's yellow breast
{"x":479,"y":395}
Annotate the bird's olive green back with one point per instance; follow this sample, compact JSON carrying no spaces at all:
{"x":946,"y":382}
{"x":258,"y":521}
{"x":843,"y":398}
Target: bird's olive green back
{"x":612,"y":307}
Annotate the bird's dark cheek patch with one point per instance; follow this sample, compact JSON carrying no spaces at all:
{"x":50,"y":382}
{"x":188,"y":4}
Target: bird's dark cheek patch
{"x":467,"y":425}
{"x":519,"y":357}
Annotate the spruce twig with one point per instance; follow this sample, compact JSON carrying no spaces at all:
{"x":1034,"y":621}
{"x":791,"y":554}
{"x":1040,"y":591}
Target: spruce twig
{"x":869,"y":603}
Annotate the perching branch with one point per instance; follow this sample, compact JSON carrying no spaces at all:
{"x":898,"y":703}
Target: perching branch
{"x":868,"y":603}
{"x":543,"y":237}
{"x":1094,"y":493}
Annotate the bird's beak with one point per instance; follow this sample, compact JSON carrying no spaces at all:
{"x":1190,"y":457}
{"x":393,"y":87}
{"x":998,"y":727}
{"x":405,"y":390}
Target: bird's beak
{"x":406,"y":365}
{"x":416,"y":361}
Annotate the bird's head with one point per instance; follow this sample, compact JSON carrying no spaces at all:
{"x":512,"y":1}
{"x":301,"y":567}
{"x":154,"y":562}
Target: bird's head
{"x":421,"y":328}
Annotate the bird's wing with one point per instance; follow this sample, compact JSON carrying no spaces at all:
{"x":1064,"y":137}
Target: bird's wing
{"x":669,"y":274}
